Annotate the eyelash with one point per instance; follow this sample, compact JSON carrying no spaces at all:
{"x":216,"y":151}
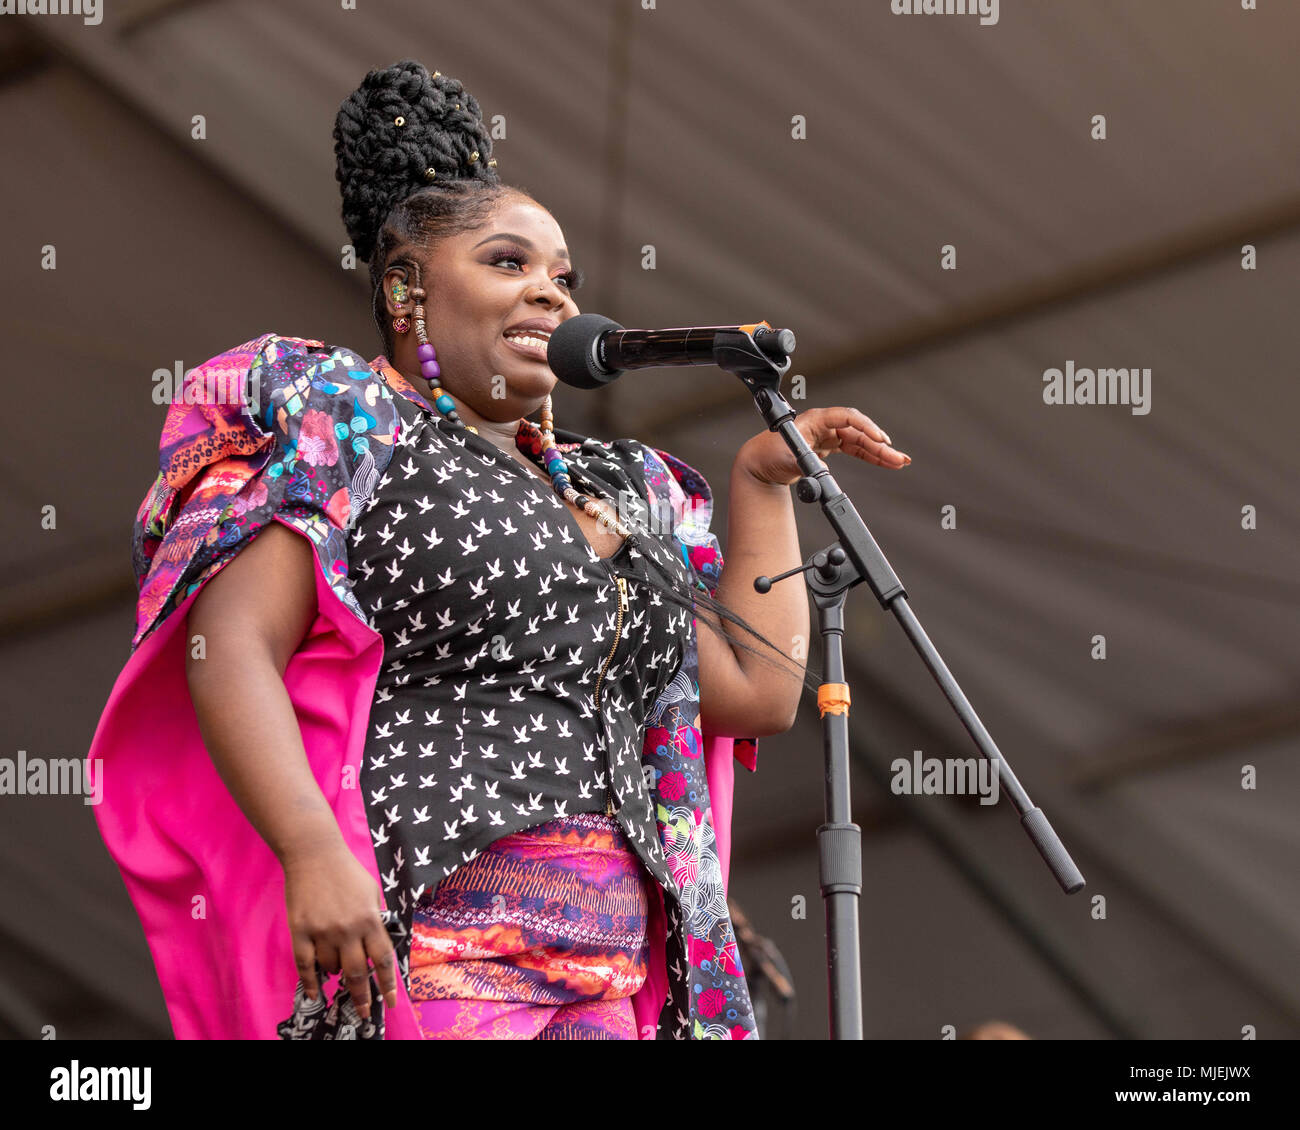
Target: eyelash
{"x":573,"y":278}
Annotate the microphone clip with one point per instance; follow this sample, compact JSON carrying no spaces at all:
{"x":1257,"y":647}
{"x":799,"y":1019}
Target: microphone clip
{"x":758,"y":354}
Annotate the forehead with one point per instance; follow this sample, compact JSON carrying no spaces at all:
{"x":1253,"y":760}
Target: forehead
{"x":521,"y":217}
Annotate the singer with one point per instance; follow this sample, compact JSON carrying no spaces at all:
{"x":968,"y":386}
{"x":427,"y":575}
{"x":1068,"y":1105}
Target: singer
{"x":411,"y":697}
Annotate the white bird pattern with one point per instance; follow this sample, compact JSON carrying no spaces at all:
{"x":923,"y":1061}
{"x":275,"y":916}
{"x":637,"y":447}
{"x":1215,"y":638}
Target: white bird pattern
{"x":498,"y":618}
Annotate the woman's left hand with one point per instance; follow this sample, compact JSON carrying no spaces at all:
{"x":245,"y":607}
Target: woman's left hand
{"x":769,"y":459}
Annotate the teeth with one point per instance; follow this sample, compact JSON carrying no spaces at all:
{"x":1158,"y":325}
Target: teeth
{"x":528,"y":339}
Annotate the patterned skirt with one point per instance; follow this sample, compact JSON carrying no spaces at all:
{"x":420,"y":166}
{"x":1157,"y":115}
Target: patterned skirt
{"x":541,"y":936}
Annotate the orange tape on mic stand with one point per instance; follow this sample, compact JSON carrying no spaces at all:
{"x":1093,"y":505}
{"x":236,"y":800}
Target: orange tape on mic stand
{"x":833,"y":698}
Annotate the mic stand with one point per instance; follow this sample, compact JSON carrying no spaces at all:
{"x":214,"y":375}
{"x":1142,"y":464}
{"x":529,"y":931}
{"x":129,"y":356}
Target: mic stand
{"x":759,"y":355}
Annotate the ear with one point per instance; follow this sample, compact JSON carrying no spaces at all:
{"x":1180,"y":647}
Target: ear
{"x":392,"y":277}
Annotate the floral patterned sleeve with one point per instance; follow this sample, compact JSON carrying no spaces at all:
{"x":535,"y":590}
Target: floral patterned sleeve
{"x":691,"y":507}
{"x":330,"y":421}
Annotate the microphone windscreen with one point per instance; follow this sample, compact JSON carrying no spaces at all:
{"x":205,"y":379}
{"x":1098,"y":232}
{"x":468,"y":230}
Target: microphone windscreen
{"x":571,"y":353}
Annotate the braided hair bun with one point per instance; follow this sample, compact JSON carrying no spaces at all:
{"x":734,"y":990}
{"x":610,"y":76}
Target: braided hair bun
{"x":401,"y":130}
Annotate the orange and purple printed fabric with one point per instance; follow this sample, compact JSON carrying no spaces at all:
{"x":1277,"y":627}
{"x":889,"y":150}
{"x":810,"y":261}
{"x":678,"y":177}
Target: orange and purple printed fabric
{"x":541,"y":936}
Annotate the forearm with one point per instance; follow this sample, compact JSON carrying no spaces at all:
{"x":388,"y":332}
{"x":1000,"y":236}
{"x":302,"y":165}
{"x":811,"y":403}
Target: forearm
{"x":762,"y":540}
{"x":252,"y":735}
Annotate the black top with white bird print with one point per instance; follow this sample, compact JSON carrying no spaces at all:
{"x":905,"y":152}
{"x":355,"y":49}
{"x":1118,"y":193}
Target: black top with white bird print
{"x":518,"y":667}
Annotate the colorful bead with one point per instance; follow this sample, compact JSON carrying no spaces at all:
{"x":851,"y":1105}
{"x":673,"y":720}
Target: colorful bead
{"x":543,"y":443}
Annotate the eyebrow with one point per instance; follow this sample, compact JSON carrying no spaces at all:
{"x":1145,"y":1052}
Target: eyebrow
{"x":562,"y":253}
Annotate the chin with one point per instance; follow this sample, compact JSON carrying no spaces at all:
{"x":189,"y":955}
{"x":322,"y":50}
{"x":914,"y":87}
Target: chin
{"x":532,"y":387}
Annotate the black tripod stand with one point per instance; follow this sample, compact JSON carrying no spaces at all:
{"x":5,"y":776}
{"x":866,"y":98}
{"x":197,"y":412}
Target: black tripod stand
{"x":759,"y":355}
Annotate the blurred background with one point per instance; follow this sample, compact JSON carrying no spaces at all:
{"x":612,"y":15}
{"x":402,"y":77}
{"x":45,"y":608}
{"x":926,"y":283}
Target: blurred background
{"x":675,"y":127}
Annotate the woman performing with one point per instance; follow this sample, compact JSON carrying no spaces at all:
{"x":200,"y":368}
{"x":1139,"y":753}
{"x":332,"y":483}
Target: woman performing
{"x":416,"y":693}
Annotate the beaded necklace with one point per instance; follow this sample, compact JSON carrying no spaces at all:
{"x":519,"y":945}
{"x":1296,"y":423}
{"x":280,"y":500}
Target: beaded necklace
{"x":543,"y":438}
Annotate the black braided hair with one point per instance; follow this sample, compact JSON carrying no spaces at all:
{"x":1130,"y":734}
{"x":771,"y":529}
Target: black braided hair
{"x":393,"y":209}
{"x":406,"y":187}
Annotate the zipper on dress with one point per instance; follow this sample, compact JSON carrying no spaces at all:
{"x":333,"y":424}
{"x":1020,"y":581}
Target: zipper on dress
{"x":618,"y":634}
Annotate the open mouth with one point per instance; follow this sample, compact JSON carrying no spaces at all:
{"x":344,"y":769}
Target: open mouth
{"x":531,"y":343}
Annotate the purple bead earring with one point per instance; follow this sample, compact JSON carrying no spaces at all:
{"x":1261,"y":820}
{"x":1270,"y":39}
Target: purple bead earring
{"x":429,"y":367}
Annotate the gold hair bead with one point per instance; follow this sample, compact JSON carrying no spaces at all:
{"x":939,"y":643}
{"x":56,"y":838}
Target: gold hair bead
{"x":399,"y":121}
{"x":492,"y":162}
{"x":473,"y":157}
{"x":430,"y":173}
{"x":436,"y":73}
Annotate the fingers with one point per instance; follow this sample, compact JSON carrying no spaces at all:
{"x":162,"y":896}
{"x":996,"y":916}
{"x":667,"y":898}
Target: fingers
{"x":356,"y":975}
{"x":855,"y":433}
{"x":380,"y":948}
{"x":854,"y":442}
{"x":851,"y":417}
{"x":352,"y":961}
{"x":304,"y":956}
{"x":328,"y":956}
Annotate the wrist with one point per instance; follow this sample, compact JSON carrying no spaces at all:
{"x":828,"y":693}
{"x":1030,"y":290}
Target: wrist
{"x":745,"y":474}
{"x":311,"y":845}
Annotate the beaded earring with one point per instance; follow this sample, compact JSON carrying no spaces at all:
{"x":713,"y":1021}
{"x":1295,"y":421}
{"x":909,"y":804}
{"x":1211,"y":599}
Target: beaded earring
{"x":554,"y":462}
{"x":401,"y":324}
{"x":429,"y":367}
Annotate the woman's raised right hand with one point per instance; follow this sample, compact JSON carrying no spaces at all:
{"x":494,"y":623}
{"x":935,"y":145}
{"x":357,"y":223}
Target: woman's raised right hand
{"x":334,"y":906}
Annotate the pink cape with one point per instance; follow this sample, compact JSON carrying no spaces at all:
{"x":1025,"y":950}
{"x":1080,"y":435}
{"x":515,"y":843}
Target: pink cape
{"x":209,"y":892}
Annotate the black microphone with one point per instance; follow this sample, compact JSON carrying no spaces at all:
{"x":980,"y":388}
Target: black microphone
{"x":591,"y":350}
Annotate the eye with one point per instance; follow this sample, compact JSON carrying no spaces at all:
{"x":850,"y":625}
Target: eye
{"x":506,"y":257}
{"x":572,"y":279}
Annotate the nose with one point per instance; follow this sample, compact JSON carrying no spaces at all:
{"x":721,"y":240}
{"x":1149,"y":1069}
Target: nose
{"x":551,"y":292}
